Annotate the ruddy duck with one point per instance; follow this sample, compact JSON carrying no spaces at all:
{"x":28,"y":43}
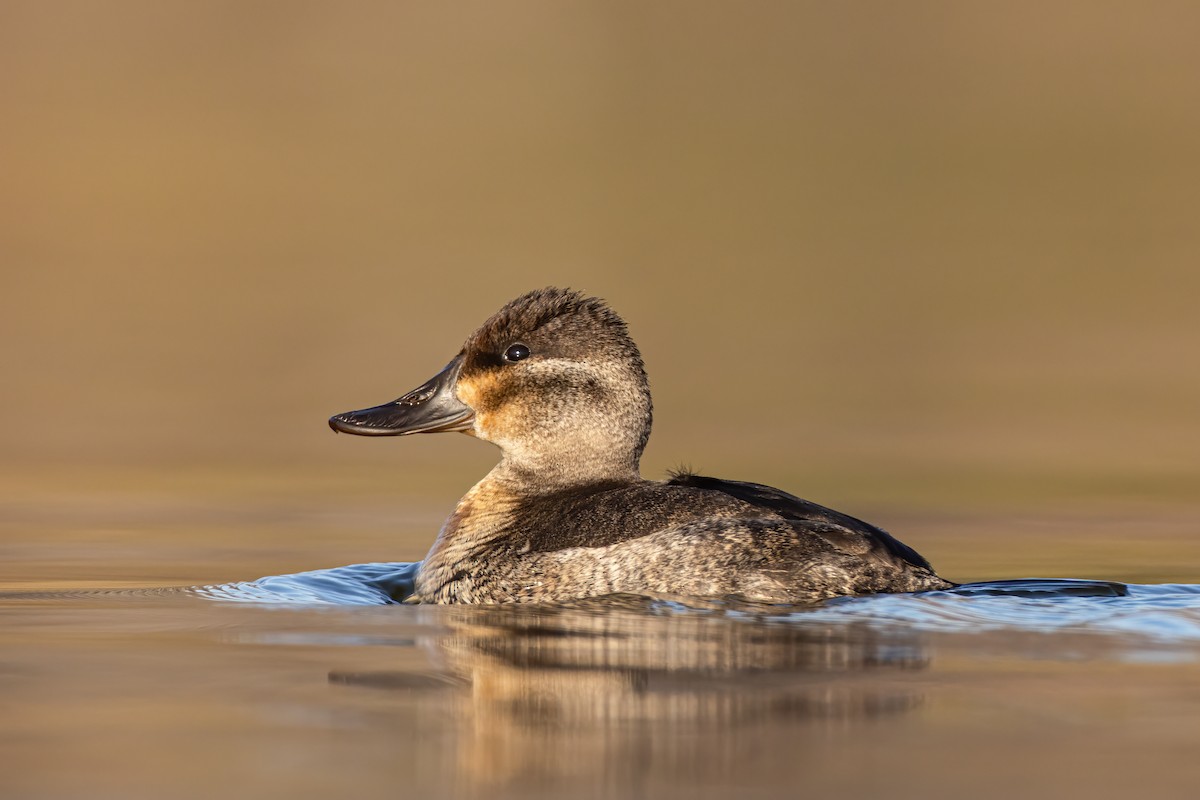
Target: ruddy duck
{"x":555,"y":382}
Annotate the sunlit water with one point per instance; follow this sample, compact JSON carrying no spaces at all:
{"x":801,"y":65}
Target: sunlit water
{"x":319,"y":684}
{"x":1152,"y":613}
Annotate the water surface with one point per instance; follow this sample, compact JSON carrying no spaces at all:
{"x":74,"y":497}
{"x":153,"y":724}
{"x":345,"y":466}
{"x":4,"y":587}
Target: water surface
{"x":318,"y":684}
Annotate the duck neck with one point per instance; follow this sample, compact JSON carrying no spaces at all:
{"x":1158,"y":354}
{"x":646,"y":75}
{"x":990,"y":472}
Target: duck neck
{"x":538,"y":474}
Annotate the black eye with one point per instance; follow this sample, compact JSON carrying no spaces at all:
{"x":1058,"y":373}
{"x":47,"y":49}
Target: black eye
{"x":516,"y":353}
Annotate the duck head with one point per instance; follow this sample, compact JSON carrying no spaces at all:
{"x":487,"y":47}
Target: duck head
{"x":552,"y":379}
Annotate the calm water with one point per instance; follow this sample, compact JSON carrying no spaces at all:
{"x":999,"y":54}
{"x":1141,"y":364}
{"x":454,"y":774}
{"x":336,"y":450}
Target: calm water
{"x":952,"y":246}
{"x":317,"y":685}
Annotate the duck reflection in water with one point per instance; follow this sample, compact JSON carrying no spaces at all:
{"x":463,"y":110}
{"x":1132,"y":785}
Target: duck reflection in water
{"x":550,"y":694}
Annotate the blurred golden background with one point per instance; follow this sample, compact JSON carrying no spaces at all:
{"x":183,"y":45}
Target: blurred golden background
{"x":905,"y":259}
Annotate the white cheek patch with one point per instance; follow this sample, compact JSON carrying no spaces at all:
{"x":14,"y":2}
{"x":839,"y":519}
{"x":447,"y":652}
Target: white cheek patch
{"x":564,"y":406}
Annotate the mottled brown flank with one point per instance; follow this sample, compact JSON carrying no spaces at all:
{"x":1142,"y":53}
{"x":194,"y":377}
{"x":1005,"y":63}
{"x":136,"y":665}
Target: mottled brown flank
{"x":608,"y":515}
{"x":667,"y":538}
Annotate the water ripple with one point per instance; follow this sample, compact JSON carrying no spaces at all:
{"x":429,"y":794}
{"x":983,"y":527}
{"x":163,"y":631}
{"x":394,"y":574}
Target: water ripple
{"x":354,"y":585}
{"x":1160,"y":612}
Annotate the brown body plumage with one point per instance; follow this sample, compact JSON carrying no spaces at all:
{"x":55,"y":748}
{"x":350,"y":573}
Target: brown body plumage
{"x":554,"y":380}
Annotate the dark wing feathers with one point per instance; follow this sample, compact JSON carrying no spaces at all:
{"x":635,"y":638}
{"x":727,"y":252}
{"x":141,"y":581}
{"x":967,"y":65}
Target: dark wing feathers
{"x":839,"y":529}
